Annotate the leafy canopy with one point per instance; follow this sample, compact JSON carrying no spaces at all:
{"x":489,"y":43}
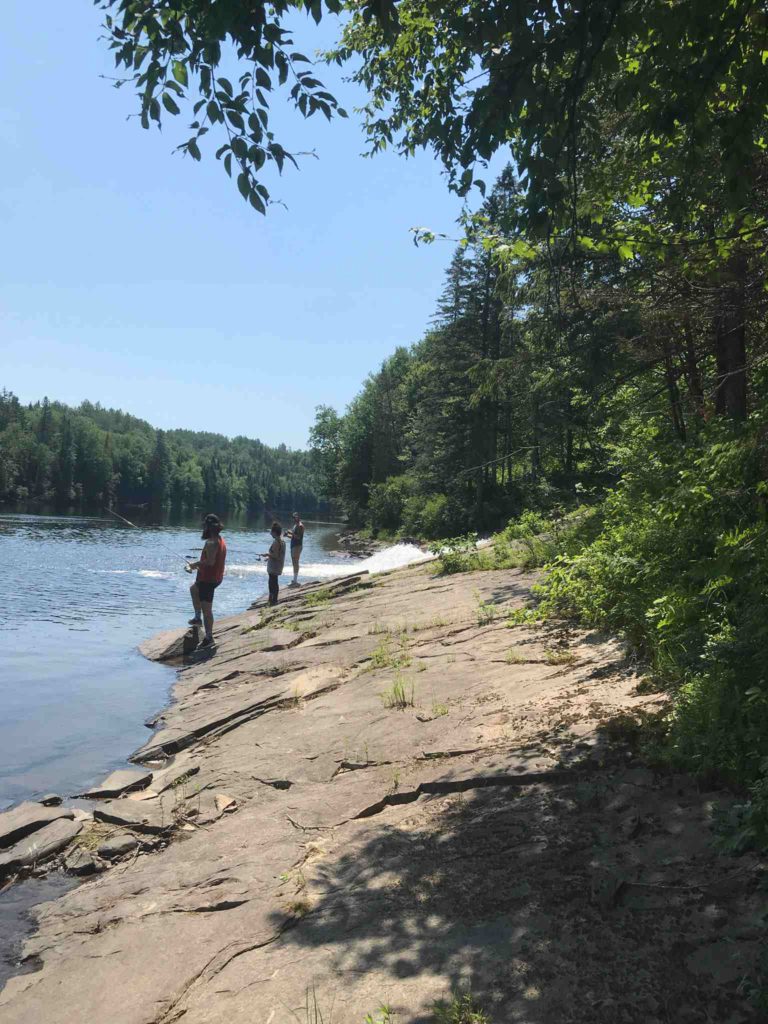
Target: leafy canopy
{"x":466,"y":77}
{"x":172,"y":52}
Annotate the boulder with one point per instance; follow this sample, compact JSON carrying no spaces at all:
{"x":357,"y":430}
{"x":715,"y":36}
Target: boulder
{"x":123,"y":781}
{"x":50,"y":800}
{"x":40,"y":845}
{"x":80,"y":862}
{"x":28,"y":818}
{"x":118,"y":846}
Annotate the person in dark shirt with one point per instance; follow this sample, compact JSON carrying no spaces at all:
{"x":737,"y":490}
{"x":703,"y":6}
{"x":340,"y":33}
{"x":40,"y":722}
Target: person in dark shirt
{"x":210,"y":573}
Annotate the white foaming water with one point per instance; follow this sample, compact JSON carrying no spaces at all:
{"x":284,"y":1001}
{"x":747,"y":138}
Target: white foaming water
{"x":390,"y":558}
{"x":152,"y":574}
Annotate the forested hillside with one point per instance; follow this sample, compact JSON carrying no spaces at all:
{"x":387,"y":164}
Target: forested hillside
{"x":52,"y":453}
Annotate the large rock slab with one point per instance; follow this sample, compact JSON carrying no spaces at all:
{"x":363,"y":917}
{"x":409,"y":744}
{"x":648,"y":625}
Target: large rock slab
{"x":123,"y":781}
{"x":150,"y":817}
{"x":40,"y":845}
{"x":27,"y":818}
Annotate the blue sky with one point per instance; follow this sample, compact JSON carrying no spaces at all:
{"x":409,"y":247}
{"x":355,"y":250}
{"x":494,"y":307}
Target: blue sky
{"x":134,"y":277}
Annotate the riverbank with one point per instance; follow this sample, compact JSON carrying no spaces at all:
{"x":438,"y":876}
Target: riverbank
{"x":383,"y":793}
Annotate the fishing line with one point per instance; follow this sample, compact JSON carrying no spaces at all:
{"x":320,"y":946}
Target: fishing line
{"x":187,"y":558}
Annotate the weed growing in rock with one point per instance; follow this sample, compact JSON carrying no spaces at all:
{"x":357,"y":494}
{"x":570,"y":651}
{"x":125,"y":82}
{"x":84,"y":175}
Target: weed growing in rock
{"x":515,"y":657}
{"x":317,"y":598}
{"x":559,"y":657}
{"x":435,"y":623}
{"x":486,"y":611}
{"x":400,"y":695}
{"x":313,"y":1013}
{"x":461,"y":1009}
{"x":438,"y":710}
{"x":384,"y":656}
{"x":384,"y":1015}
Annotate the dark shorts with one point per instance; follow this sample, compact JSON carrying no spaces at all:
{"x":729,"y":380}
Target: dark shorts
{"x":205,"y":591}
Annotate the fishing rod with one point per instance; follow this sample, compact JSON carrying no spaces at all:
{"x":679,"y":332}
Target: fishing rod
{"x":187,"y":558}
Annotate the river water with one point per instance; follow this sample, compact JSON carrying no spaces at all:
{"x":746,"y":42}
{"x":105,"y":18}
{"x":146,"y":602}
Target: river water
{"x":80,"y":594}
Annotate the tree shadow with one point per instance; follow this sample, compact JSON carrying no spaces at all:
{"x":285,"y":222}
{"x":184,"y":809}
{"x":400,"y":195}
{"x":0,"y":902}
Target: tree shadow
{"x":518,"y":895}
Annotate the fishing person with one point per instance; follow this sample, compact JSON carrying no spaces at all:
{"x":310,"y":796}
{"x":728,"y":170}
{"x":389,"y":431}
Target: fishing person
{"x":210,"y":573}
{"x":297,"y":541}
{"x":275,"y":561}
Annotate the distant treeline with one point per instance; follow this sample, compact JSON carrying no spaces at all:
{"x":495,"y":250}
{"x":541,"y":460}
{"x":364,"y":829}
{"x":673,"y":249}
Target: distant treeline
{"x":52,"y":453}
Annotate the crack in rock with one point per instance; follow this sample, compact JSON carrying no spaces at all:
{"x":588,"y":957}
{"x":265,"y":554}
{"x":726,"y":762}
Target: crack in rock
{"x":442,"y":787}
{"x":218,"y":962}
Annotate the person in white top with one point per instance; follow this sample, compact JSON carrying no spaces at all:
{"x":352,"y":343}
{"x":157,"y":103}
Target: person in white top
{"x":275,"y":561}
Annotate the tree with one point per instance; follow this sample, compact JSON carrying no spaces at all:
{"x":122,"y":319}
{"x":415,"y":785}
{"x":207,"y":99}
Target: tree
{"x":465,"y":79}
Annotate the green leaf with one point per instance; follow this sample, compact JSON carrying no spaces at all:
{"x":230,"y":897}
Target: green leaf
{"x":170,"y":105}
{"x":180,"y":72}
{"x":244,"y":185}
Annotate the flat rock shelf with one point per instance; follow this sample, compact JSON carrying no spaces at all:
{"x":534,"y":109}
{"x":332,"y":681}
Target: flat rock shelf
{"x":381,"y":793}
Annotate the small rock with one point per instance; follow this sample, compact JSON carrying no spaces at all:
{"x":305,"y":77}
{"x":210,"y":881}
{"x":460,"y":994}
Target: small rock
{"x":225,"y":803}
{"x":118,"y":846}
{"x":81,"y":815}
{"x":80,"y":862}
{"x":50,"y":800}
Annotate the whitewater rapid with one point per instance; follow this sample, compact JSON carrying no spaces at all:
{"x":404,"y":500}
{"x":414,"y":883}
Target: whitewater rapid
{"x":394,"y":557}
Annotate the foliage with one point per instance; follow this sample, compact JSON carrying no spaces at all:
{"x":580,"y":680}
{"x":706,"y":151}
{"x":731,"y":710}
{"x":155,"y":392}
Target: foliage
{"x":173,"y":53}
{"x":390,"y":654}
{"x":456,"y":554}
{"x":400,"y":695}
{"x":462,"y":1009}
{"x":52,"y":453}
{"x":680,"y":568}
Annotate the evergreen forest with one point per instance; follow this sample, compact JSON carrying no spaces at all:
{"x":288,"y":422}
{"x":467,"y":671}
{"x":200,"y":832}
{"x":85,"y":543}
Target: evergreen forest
{"x":51,"y":453}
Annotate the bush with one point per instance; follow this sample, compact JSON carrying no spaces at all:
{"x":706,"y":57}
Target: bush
{"x":680,"y":567}
{"x":457,"y":554}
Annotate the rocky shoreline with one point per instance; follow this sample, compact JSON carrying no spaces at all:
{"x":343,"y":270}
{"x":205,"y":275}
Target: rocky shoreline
{"x":381,"y":793}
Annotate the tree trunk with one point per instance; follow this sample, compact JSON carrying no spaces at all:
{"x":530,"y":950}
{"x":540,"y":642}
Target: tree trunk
{"x":730,"y":346}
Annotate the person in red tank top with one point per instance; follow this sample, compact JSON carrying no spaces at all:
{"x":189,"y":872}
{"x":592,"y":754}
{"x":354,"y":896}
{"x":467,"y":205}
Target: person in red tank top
{"x":210,"y":573}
